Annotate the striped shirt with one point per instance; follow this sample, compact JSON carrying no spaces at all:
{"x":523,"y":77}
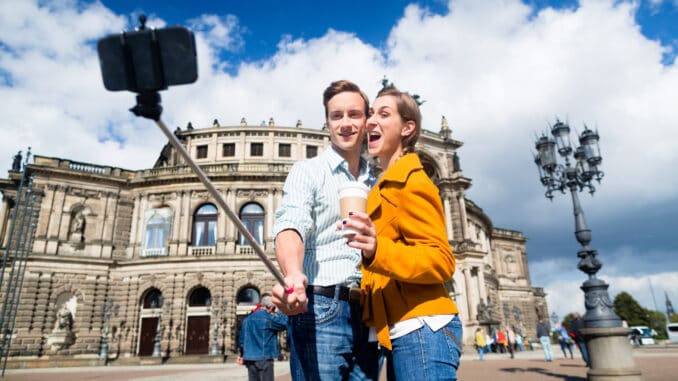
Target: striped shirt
{"x":310,"y":205}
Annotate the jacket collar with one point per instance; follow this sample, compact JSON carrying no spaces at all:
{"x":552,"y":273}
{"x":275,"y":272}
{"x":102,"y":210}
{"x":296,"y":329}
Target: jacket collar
{"x":399,"y":172}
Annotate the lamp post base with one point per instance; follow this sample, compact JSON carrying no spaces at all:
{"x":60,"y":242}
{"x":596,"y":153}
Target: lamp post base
{"x":610,"y":353}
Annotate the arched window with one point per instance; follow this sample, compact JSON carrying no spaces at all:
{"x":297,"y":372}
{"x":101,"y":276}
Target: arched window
{"x":153,"y":299}
{"x":248,"y":295}
{"x":252,"y":216}
{"x":200,"y":297}
{"x":205,"y":226}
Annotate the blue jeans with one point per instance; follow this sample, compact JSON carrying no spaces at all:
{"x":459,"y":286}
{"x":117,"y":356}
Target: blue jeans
{"x":480,"y":352}
{"x":426,"y":355}
{"x":546,"y":346}
{"x":329,"y":342}
{"x":584,"y":352}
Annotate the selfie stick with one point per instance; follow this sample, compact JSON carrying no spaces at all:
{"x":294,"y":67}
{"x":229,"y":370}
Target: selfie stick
{"x":148,"y":106}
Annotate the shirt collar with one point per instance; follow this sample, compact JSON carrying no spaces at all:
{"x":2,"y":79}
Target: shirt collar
{"x":338,"y":164}
{"x":402,"y":168}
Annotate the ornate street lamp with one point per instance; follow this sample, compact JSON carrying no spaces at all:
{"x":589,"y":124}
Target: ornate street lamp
{"x":603,"y":328}
{"x":108,"y":310}
{"x":576,"y":177}
{"x":554,"y":318}
{"x":216,"y":308}
{"x":158,"y":330}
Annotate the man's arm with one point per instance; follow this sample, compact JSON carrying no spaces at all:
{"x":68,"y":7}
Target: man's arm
{"x":289,"y":249}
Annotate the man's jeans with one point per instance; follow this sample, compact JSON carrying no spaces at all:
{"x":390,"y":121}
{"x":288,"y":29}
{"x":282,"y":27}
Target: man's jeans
{"x":546,"y":346}
{"x":426,"y":355}
{"x":329,"y":342}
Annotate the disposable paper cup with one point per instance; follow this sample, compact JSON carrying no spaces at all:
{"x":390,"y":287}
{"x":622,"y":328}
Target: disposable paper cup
{"x":352,"y":198}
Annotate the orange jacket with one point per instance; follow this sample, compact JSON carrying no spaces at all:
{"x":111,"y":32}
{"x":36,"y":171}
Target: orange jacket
{"x":413,"y":259}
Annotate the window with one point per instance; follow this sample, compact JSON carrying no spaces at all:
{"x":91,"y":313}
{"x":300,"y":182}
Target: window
{"x":285,"y":150}
{"x":205,"y":226}
{"x":252,"y":216}
{"x":248,"y":295}
{"x":201,"y":152}
{"x":228,"y":150}
{"x":153,"y":299}
{"x":158,"y":228}
{"x":311,"y":151}
{"x":200,"y":297}
{"x":257,"y":149}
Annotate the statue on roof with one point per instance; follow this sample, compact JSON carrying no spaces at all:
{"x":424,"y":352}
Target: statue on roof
{"x":16,"y":164}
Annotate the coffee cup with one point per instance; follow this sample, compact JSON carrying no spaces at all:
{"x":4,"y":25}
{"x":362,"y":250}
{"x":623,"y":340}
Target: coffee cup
{"x":352,"y":198}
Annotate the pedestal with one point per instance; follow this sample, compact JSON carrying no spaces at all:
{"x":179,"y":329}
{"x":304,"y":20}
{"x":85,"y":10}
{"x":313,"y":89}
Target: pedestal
{"x":60,"y":339}
{"x":610,"y":353}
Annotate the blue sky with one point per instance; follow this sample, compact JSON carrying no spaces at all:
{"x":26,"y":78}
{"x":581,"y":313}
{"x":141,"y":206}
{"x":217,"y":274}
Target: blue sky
{"x":500,"y":71}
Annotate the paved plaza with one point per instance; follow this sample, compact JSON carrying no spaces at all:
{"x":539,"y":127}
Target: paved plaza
{"x":656,"y":364}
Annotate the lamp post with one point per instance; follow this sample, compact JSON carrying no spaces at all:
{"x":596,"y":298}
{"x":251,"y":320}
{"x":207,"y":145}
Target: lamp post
{"x":554,"y":318}
{"x":158,"y":330}
{"x":603,"y":328}
{"x":108,"y":310}
{"x":216,"y":308}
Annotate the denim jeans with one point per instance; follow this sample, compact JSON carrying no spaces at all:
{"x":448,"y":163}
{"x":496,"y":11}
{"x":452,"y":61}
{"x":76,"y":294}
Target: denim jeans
{"x":584,"y":352}
{"x":329,"y":342}
{"x":425,"y":354}
{"x":546,"y":346}
{"x":480,"y":352}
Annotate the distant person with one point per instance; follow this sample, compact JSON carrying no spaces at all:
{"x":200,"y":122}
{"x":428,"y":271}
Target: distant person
{"x":259,"y":340}
{"x":544,"y":335}
{"x":566,"y":342}
{"x":480,"y":342}
{"x":510,"y":340}
{"x":576,"y":325}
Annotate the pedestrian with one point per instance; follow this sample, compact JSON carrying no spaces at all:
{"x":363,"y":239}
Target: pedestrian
{"x":480,"y":342}
{"x":328,"y":339}
{"x":576,"y":325}
{"x":564,"y":339}
{"x":406,"y":254}
{"x":510,"y":340}
{"x":544,"y":335}
{"x":519,"y":341}
{"x":500,"y":338}
{"x":258,"y":342}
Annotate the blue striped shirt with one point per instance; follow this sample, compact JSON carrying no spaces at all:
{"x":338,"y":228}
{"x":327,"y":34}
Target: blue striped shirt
{"x":310,"y":205}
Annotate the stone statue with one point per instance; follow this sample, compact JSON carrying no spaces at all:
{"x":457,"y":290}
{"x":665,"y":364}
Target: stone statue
{"x":64,"y":319}
{"x":16,"y":164}
{"x":78,"y":223}
{"x":483,"y":311}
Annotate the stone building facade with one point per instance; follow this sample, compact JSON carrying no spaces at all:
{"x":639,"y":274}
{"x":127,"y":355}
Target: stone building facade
{"x":144,"y":260}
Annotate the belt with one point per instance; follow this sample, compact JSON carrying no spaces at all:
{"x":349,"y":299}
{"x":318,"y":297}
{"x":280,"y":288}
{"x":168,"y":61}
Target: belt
{"x":351,"y":295}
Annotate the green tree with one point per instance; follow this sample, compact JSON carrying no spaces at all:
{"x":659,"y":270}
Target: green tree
{"x":658,"y":323}
{"x":673,"y":318}
{"x":628,"y":309}
{"x":568,"y":320}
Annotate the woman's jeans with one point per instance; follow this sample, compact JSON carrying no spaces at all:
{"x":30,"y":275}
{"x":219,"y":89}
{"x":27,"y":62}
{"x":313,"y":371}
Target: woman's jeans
{"x":426,"y":355}
{"x":329,"y":342}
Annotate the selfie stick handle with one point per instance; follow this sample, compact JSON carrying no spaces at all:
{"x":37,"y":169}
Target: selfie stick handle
{"x":220,"y":200}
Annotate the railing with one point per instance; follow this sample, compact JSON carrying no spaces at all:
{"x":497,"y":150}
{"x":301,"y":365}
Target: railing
{"x":155,"y":252}
{"x":201,"y":251}
{"x":87,"y":168}
{"x":221,"y":168}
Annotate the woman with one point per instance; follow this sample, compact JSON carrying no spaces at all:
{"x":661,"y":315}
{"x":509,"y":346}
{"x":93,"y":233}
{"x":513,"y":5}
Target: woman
{"x":406,"y":255}
{"x":480,"y":342}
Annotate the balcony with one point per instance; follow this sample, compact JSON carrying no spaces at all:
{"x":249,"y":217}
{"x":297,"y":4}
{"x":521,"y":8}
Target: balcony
{"x":155,"y":252}
{"x":201,"y":251}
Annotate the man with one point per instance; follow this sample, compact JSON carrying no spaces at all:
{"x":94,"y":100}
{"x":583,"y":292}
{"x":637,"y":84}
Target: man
{"x":259,"y":340}
{"x":327,"y":337}
{"x":544,"y":334}
{"x":576,"y":325}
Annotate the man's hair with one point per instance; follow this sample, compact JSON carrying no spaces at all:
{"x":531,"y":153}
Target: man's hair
{"x":409,"y":111}
{"x":341,"y":86}
{"x":267,"y":300}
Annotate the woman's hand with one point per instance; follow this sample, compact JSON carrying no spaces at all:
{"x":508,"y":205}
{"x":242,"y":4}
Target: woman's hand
{"x":366,"y":239}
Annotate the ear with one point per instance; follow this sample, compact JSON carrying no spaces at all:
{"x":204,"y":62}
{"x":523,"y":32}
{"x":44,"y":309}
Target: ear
{"x":408,"y":128}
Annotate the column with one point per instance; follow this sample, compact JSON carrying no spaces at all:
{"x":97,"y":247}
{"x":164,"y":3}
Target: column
{"x":481,"y":284}
{"x":470,"y":295}
{"x":448,"y":216}
{"x":464,"y":218}
{"x":4,"y":219}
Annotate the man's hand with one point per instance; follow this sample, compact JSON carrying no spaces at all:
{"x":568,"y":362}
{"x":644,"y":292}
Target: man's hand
{"x":238,"y":360}
{"x":295,"y":302}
